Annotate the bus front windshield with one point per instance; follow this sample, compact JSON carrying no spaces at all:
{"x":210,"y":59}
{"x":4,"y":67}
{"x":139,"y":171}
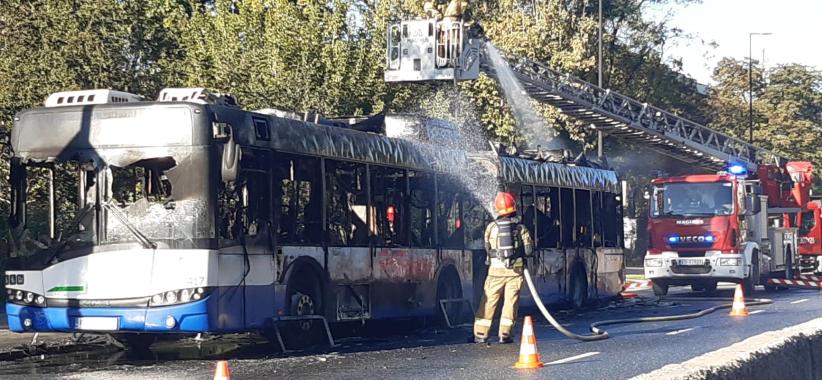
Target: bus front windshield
{"x":60,"y":207}
{"x":692,"y":199}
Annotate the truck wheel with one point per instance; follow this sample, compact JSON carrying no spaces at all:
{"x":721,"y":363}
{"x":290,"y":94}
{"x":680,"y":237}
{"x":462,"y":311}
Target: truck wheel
{"x":707,"y":287}
{"x":660,"y":288}
{"x":578,"y":289}
{"x":749,"y":283}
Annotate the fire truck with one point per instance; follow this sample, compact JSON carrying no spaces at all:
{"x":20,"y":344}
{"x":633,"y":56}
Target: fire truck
{"x":727,"y":227}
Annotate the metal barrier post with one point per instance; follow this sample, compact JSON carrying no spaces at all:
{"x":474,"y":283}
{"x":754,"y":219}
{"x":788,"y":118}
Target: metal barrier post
{"x":445,"y":313}
{"x":303,"y":318}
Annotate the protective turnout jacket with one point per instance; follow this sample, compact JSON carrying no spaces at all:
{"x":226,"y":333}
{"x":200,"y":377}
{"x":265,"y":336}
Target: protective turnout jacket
{"x":505,"y":237}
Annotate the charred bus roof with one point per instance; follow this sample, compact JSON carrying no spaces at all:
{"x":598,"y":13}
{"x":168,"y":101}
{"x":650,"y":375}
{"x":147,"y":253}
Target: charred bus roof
{"x":60,"y":133}
{"x":63,"y":133}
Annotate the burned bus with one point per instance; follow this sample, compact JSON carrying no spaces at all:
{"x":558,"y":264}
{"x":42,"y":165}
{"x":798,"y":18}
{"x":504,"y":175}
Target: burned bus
{"x":189,"y":214}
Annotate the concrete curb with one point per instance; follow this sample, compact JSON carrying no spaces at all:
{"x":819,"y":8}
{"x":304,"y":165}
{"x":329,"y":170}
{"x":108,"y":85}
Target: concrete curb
{"x":788,"y":353}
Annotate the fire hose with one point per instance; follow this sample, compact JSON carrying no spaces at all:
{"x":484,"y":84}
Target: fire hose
{"x":600,"y":334}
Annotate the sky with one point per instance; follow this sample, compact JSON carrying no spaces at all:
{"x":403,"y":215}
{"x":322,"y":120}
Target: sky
{"x":796,"y":27}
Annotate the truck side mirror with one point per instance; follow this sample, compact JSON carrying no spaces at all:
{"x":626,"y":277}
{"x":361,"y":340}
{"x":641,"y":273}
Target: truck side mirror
{"x":230,"y":161}
{"x":752,"y":205}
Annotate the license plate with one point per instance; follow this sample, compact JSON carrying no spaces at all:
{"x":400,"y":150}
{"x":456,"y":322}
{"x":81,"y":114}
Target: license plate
{"x":97,"y":323}
{"x":691,"y":261}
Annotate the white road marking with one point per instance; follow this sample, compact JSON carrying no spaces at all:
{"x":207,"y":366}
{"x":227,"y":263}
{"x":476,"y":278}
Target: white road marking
{"x":677,"y":332}
{"x":572,"y":358}
{"x":799,"y":301}
{"x":756,"y":311}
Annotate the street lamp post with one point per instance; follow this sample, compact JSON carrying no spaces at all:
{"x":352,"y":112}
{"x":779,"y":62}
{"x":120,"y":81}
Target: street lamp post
{"x":750,"y":82}
{"x":599,"y":75}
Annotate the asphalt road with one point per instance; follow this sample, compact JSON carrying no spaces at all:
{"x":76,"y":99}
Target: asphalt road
{"x":425,"y":354}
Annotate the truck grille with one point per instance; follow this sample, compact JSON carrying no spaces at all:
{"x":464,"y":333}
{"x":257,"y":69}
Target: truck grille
{"x":692,"y":254}
{"x":688,"y":269}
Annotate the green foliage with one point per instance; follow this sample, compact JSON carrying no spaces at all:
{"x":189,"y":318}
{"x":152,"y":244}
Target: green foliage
{"x":787,"y":107}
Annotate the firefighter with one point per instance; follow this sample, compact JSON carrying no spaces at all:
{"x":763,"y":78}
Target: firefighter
{"x":507,"y":243}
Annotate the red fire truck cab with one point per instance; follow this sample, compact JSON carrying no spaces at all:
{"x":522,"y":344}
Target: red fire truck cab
{"x":710,"y":228}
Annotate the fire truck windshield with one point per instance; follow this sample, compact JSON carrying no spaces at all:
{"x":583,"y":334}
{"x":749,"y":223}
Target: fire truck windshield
{"x":692,"y":199}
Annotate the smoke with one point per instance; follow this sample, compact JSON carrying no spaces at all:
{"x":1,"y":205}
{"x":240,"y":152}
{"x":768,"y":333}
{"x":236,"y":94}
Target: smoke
{"x":531,"y":124}
{"x":448,"y":104}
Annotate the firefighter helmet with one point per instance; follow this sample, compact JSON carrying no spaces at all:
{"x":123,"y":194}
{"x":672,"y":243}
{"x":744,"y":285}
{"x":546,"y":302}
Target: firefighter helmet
{"x":504,"y":204}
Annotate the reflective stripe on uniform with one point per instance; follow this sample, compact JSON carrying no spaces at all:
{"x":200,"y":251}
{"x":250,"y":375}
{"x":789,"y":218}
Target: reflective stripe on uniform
{"x":506,"y":322}
{"x":483,"y":322}
{"x":497,"y":263}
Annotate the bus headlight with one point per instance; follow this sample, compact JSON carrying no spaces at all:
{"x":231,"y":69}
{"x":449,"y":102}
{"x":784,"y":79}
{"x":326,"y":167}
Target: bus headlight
{"x":21,"y":297}
{"x":653,"y":263}
{"x":730,"y":261}
{"x":179,"y":296}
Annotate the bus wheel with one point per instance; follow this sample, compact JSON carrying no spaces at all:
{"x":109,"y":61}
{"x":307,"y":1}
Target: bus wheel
{"x":136,"y":342}
{"x":578,"y":289}
{"x":304,"y":298}
{"x":448,"y":287}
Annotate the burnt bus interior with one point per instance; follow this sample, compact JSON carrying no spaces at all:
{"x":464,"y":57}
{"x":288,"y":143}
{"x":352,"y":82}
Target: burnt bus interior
{"x":317,"y":201}
{"x":569,"y":218}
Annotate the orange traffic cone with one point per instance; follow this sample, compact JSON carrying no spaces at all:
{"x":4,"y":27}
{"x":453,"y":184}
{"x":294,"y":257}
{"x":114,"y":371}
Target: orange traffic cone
{"x":528,"y":356}
{"x":739,"y":309}
{"x":221,"y":372}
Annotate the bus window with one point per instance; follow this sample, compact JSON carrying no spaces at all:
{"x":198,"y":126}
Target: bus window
{"x":388,"y":195}
{"x":475,"y":219}
{"x":256,"y":194}
{"x":297,"y":199}
{"x":566,"y":212}
{"x":245,"y":205}
{"x":548,"y":221}
{"x":582,"y":200}
{"x":596,"y":208}
{"x":449,"y":204}
{"x":347,"y":203}
{"x":527,"y":211}
{"x":421,"y":209}
{"x":31,"y":220}
{"x":612,"y":220}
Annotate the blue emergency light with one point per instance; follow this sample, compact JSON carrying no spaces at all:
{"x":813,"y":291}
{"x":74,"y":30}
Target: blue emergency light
{"x":738,"y":169}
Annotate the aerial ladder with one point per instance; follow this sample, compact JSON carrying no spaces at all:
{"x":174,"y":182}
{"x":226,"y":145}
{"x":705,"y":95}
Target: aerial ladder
{"x":416,"y":52}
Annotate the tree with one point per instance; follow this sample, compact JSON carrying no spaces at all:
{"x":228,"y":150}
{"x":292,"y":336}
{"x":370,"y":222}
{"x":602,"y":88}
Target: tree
{"x":787,"y":107}
{"x":791,"y":113}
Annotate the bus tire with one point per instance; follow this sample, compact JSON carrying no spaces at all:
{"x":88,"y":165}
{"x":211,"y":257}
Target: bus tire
{"x":135,"y":341}
{"x":304,"y":297}
{"x":448,"y":287}
{"x":578,"y":287}
{"x":749,"y":283}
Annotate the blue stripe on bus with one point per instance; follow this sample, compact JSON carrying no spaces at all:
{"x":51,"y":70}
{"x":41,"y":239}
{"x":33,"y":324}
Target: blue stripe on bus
{"x":221,"y":311}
